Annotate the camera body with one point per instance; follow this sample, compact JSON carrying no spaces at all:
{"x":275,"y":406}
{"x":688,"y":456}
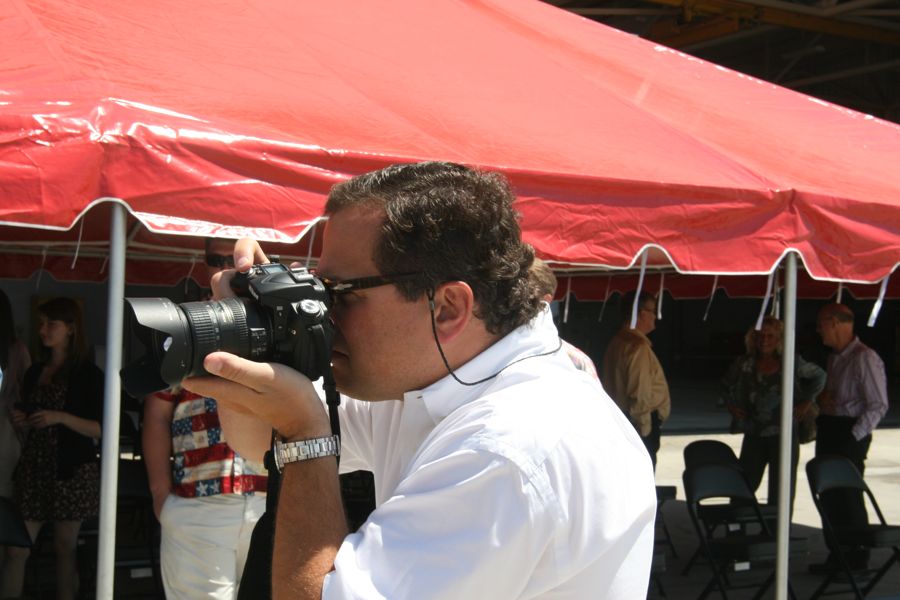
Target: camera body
{"x":295,"y":301}
{"x":280,"y":315}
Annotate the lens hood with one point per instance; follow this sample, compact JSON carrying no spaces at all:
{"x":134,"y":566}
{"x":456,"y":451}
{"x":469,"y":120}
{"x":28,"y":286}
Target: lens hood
{"x":161,"y":326}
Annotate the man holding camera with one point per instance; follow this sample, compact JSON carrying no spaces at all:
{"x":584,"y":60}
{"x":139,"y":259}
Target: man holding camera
{"x":500,"y":472}
{"x":206,"y":497}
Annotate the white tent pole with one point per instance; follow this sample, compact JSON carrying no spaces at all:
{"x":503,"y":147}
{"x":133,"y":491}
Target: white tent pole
{"x":109,"y":449}
{"x":787,"y":428}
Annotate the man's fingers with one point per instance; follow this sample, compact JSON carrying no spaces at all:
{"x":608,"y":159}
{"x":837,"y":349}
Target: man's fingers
{"x":221,"y":284}
{"x":247,"y":253}
{"x":251,"y":378}
{"x":255,"y":375}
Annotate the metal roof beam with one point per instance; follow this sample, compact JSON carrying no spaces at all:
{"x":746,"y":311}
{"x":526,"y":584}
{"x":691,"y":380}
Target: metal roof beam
{"x":753,"y":11}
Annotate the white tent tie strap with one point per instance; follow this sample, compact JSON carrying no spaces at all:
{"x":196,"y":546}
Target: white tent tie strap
{"x":37,"y":284}
{"x":840,"y":292}
{"x":775,"y":306}
{"x":568,"y":296}
{"x":876,"y":308}
{"x":762,"y":309}
{"x":605,"y":298}
{"x":637,"y":292}
{"x":659,"y":298}
{"x":312,"y":240}
{"x":103,"y":266}
{"x":77,"y":244}
{"x":187,"y":278}
{"x":712,"y":294}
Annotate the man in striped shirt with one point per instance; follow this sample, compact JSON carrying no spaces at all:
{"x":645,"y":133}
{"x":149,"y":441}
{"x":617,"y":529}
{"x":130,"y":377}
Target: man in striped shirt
{"x":207,"y":497}
{"x":854,"y":401}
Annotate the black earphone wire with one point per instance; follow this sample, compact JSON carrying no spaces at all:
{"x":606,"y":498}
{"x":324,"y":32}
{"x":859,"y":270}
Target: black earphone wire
{"x":489,"y":377}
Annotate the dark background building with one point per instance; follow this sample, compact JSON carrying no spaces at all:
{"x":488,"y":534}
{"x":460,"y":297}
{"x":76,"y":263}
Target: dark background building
{"x":846,"y":52}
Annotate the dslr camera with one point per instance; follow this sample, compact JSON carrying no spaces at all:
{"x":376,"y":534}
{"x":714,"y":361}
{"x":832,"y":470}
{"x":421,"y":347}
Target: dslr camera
{"x":280,"y":315}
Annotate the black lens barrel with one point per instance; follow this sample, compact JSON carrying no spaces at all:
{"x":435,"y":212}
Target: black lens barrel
{"x":179,"y":336}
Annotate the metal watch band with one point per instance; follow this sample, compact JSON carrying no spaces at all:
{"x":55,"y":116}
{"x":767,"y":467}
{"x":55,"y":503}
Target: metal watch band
{"x":288,"y":452}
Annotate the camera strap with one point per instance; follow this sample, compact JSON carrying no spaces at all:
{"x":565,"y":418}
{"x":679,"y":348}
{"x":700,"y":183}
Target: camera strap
{"x":256,"y":582}
{"x":332,"y":397}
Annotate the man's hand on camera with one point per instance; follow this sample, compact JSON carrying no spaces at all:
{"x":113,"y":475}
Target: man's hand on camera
{"x":273,"y":393}
{"x":247,"y":252}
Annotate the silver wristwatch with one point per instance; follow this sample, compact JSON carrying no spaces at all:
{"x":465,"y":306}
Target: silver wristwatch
{"x":288,"y":452}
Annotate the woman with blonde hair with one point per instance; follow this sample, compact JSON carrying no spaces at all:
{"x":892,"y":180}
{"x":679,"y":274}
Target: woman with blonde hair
{"x":58,"y":476}
{"x":752,"y":392}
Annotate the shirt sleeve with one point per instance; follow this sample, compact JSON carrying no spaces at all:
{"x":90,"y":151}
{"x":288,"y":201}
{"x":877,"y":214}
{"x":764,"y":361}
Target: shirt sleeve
{"x":873,"y":386}
{"x":810,"y":381}
{"x":430,"y":541}
{"x":356,"y":441}
{"x":729,"y":391}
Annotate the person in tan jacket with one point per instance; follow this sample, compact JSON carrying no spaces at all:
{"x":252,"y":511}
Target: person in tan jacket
{"x":633,"y":376}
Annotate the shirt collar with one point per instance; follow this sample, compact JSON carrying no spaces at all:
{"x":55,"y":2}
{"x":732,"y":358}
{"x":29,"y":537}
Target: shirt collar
{"x":637,"y":333}
{"x":446,"y":395}
{"x":849,"y":348}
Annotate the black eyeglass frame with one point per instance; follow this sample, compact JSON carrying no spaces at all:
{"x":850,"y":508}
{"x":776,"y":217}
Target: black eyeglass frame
{"x":336,"y":288}
{"x":220,"y":261}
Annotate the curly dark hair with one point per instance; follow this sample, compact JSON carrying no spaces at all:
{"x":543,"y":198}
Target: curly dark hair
{"x":449,"y":222}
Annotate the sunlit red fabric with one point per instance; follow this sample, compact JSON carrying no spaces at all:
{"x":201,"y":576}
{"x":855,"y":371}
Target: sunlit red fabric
{"x":205,"y":117}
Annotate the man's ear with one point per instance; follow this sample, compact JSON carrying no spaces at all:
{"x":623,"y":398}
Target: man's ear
{"x":454,"y":303}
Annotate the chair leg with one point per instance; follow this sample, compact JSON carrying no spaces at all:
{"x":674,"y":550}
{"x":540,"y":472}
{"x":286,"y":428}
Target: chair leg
{"x":709,"y":587}
{"x":845,"y":566}
{"x":720,"y":578}
{"x":882,"y":571}
{"x":659,"y":585}
{"x":661,"y":518}
{"x":791,"y":592}
{"x":764,"y":587}
{"x":690,"y":562}
{"x":823,"y":586}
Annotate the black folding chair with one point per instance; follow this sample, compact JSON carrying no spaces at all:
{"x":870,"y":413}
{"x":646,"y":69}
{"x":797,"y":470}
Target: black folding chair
{"x":709,"y":452}
{"x":827,"y":473}
{"x":730,"y":516}
{"x":664,"y":493}
{"x":736,"y":551}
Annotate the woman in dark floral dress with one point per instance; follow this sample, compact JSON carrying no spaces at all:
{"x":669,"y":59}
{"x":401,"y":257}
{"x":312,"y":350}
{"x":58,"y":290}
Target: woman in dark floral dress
{"x":58,"y":476}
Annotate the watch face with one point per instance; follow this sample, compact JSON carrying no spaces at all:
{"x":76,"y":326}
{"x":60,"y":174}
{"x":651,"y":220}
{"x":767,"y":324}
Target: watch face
{"x":278,"y":464}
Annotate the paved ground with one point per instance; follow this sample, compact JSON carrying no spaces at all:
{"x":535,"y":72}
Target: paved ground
{"x":697,"y":417}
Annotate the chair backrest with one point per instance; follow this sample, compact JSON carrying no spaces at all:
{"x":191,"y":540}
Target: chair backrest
{"x":832,"y":471}
{"x":709,"y":481}
{"x":715,"y":481}
{"x":709,"y":452}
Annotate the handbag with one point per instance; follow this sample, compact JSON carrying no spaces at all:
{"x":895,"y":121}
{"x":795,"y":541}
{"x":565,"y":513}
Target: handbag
{"x":806,"y":428}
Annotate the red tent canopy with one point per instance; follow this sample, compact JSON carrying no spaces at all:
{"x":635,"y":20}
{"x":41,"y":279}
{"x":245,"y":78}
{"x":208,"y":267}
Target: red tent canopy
{"x":230,"y":118}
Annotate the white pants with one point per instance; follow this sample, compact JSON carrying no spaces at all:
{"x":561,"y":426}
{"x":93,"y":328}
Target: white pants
{"x":205,"y":542}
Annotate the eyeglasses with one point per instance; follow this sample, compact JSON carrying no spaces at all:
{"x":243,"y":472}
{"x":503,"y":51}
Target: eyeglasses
{"x":220,"y":261}
{"x":337,"y":288}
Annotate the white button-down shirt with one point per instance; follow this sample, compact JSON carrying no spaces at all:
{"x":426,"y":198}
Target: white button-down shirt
{"x":529,"y":485}
{"x":858,"y":386}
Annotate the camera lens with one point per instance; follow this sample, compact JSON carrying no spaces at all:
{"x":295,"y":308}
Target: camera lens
{"x":177,"y":338}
